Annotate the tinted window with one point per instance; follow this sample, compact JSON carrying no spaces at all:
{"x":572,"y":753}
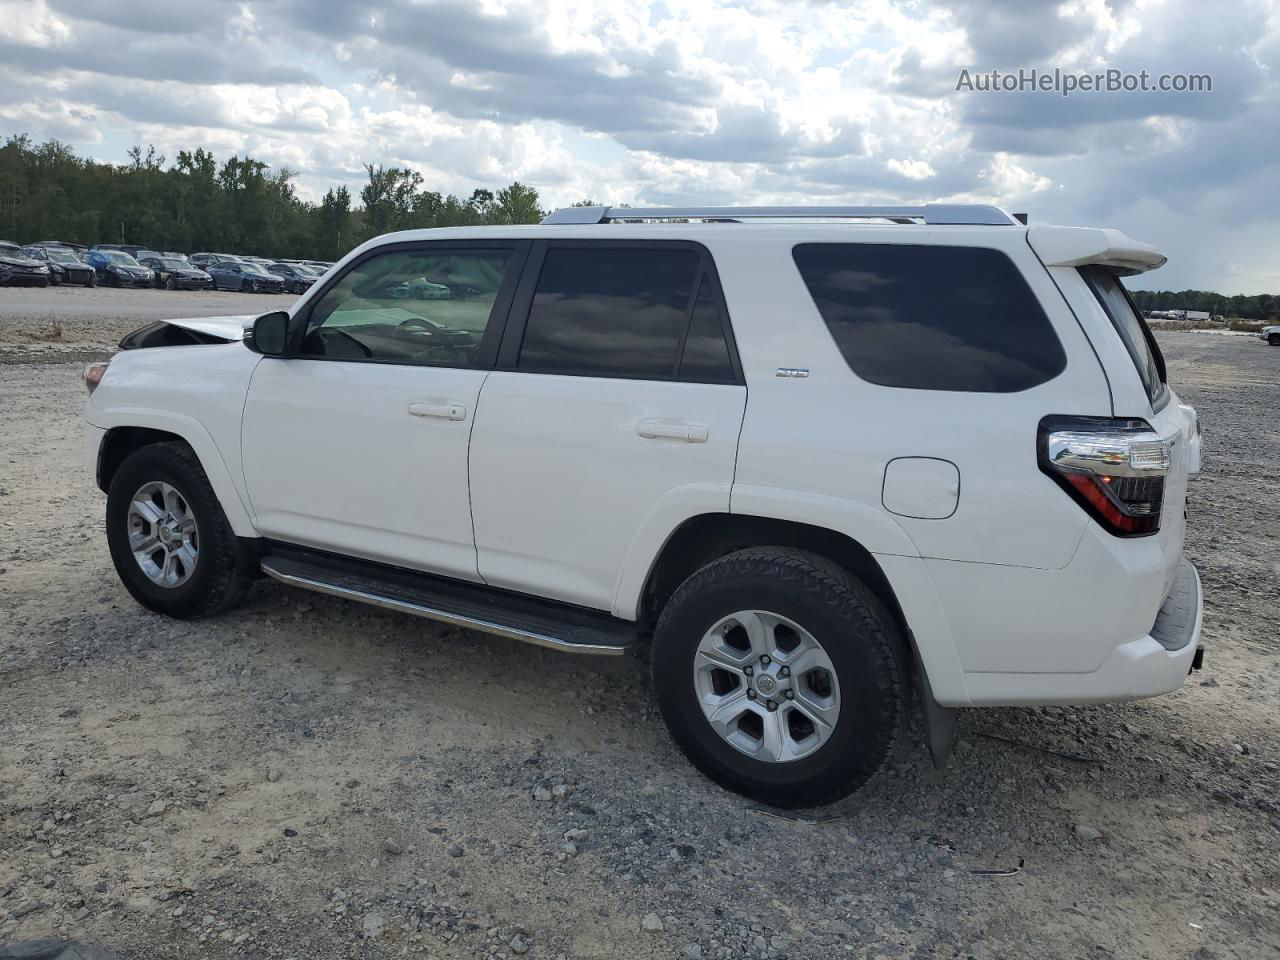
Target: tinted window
{"x":427,"y":306}
{"x":932,"y":318}
{"x":706,"y":352}
{"x":610,"y":311}
{"x":1129,"y":324}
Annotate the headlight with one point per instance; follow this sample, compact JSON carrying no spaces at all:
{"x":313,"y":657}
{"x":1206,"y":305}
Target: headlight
{"x":42,"y":269}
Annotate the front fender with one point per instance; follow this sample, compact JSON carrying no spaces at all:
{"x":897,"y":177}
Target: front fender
{"x":200,"y":440}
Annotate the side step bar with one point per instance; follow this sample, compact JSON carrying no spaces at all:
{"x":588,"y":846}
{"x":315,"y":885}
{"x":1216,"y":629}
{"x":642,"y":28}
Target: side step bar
{"x":471,"y":606}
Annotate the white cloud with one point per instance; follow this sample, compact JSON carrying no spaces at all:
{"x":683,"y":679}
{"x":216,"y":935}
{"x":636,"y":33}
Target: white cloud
{"x":693,"y":100}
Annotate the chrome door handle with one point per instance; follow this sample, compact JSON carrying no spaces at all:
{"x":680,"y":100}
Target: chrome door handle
{"x":444,"y":411}
{"x":666,"y":430}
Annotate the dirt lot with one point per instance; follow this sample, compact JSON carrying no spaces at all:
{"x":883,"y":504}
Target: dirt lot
{"x":307,"y":778}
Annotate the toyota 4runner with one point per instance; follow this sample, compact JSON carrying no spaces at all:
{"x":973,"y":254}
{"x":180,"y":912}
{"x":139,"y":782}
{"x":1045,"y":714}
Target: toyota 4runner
{"x":821,"y":460}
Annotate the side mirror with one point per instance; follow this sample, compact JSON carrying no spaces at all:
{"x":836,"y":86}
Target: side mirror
{"x":269,"y":334}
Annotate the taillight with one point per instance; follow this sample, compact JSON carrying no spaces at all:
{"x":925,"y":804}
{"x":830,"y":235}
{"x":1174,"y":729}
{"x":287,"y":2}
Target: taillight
{"x":1115,"y":469}
{"x":93,"y":375}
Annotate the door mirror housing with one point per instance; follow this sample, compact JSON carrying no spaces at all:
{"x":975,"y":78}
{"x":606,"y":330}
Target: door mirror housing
{"x":269,"y":334}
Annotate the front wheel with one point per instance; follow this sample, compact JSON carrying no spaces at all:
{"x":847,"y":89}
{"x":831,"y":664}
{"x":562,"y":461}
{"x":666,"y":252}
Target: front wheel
{"x":250,"y":287}
{"x":169,"y":539}
{"x":91,"y":281}
{"x":1274,"y":339}
{"x":170,"y":283}
{"x":780,"y":676}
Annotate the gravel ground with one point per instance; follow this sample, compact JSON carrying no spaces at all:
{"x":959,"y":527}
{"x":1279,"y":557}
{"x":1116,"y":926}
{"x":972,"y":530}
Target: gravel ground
{"x":308,"y":778}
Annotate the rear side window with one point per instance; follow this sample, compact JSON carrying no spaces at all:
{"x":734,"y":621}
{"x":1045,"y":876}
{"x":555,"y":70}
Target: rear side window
{"x":1129,"y":324}
{"x":626,"y":312}
{"x":931,"y":317}
{"x":706,"y":352}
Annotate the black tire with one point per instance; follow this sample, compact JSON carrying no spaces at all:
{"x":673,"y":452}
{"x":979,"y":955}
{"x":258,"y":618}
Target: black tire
{"x":92,"y":281}
{"x":170,"y":283}
{"x":1274,"y":339}
{"x":249,"y":286}
{"x":223,"y":569}
{"x":855,"y":630}
{"x":113,"y":280}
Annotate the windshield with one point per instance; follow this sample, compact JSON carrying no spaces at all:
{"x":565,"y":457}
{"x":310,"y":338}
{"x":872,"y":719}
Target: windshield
{"x":61,"y":256}
{"x":255,"y":268}
{"x":171,"y":264}
{"x":1129,"y":324}
{"x":116,"y":256}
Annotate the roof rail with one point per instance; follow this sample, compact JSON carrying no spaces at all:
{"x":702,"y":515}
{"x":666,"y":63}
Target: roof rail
{"x":929,"y":213}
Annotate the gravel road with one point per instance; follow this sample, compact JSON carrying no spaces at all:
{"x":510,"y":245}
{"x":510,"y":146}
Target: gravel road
{"x":308,"y":778}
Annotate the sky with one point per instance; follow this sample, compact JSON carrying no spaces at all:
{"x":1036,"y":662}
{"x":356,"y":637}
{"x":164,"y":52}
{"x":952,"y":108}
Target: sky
{"x":677,"y":101}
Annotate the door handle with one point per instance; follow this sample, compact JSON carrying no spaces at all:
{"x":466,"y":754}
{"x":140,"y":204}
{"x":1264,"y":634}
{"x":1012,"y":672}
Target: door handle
{"x":443,"y":411}
{"x":666,"y":430}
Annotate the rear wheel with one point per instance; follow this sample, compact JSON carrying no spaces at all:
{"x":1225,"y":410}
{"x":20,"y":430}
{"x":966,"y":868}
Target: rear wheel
{"x":169,"y":539}
{"x":250,"y":287}
{"x":780,"y":676}
{"x":1274,"y":339}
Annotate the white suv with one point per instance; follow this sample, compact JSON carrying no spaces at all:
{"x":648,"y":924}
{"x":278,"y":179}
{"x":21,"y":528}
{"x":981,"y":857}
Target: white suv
{"x":817,"y":458}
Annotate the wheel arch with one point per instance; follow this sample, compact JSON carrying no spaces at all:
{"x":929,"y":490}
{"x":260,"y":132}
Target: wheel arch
{"x":119,"y":442}
{"x":929,"y":656}
{"x":709,"y":536}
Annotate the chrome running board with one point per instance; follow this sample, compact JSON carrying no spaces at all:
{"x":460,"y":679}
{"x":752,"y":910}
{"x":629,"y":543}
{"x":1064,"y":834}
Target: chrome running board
{"x":543,"y":623}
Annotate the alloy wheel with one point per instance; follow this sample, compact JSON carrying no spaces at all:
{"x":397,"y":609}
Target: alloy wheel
{"x":766,"y":686}
{"x":163,"y":534}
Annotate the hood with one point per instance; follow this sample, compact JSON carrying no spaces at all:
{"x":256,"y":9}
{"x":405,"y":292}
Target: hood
{"x":16,"y":260}
{"x":227,"y":328}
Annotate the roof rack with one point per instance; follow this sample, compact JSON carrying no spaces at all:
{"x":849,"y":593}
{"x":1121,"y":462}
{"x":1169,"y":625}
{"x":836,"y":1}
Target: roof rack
{"x":929,"y":213}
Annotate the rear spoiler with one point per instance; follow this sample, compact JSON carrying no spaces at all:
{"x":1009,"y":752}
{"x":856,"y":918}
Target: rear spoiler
{"x":1080,"y":246}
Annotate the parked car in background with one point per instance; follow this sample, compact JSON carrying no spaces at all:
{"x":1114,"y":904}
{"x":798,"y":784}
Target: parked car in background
{"x":78,"y":248}
{"x":245,"y":277}
{"x":132,"y":249}
{"x":116,"y":268}
{"x":174,"y":274}
{"x":18,"y":269}
{"x":1271,"y":335}
{"x":206,"y":260}
{"x":297,"y":278}
{"x":64,"y":266}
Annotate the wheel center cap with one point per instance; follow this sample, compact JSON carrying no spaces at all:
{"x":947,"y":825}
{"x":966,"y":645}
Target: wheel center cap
{"x":766,"y":685}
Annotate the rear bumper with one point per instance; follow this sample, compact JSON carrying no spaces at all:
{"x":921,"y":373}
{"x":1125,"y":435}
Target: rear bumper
{"x":1146,"y":667}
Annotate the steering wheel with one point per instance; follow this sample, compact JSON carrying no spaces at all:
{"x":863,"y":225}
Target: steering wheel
{"x":415,"y":325}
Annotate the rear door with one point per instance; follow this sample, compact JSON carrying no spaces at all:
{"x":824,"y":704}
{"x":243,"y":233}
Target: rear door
{"x":615,"y":410}
{"x":357,"y":443}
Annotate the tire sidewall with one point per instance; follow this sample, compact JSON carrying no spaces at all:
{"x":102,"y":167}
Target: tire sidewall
{"x":145,"y":466}
{"x":869,"y":708}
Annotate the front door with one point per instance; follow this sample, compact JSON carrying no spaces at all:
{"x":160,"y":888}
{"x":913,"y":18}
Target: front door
{"x":357,"y":443}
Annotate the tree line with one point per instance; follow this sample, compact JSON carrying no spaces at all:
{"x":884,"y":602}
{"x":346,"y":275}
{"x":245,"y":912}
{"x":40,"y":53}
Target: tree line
{"x":48,"y":192}
{"x":1262,"y":306}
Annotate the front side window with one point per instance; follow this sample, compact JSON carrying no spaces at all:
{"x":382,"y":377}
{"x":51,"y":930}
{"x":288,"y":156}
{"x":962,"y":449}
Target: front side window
{"x":423,"y":306}
{"x":610,"y":311}
{"x":1129,"y":324}
{"x":931,"y":317}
